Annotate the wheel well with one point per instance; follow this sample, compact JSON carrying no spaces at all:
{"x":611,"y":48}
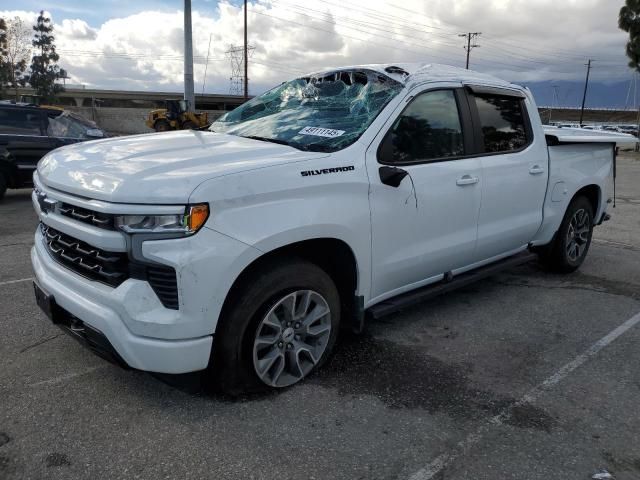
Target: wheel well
{"x":592,"y":193}
{"x":333,"y":256}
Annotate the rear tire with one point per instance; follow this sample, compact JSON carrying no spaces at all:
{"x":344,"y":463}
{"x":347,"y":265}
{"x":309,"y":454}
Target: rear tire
{"x":571,"y":243}
{"x":268,"y":335}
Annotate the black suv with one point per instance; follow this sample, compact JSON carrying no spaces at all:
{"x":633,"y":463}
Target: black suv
{"x":28,"y":132}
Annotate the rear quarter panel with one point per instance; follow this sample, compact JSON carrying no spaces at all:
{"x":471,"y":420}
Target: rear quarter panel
{"x":572,"y":167}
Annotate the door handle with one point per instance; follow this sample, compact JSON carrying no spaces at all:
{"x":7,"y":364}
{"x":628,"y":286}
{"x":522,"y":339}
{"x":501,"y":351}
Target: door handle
{"x":536,"y":170}
{"x":467,"y":180}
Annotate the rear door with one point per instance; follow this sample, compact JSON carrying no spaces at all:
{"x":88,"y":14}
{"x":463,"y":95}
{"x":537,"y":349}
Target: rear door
{"x":515,"y":171}
{"x":424,"y":192}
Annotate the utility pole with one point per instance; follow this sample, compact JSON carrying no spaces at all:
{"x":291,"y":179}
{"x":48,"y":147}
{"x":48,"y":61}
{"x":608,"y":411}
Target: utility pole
{"x":554,"y":101}
{"x":471,"y":37}
{"x":584,"y":95}
{"x":189,"y":94}
{"x":246,"y":55}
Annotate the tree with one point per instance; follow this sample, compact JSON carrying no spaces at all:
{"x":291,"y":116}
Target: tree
{"x":17,"y":53}
{"x":3,"y":52}
{"x":44,"y":67}
{"x":629,"y":21}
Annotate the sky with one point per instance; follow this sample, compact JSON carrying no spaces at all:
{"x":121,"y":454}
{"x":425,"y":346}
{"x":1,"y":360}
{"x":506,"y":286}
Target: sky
{"x":137,"y":45}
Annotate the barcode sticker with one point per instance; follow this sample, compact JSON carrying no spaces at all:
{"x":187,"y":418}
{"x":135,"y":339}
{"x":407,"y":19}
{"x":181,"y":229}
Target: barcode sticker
{"x":321,"y":132}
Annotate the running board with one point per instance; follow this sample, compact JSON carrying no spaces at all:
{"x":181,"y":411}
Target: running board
{"x":421,"y":294}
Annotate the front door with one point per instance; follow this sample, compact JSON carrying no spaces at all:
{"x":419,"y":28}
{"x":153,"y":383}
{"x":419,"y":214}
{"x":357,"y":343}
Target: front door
{"x":425,"y":193}
{"x":22,"y":142}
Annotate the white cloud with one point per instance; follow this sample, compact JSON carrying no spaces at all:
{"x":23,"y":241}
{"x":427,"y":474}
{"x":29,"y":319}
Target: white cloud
{"x":76,"y":29}
{"x":523,"y":40}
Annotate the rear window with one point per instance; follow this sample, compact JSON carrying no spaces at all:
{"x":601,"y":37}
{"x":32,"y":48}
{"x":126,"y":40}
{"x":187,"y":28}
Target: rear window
{"x":503,"y":123}
{"x":19,"y":122}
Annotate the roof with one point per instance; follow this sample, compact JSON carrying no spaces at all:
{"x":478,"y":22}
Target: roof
{"x":411,"y":74}
{"x":30,"y":106}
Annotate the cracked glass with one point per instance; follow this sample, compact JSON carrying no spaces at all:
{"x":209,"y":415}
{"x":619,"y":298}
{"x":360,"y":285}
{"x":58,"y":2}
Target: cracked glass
{"x":324,"y":113}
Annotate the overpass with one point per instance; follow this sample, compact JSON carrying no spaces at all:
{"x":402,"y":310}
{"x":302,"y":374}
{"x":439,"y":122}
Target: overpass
{"x":124,"y":111}
{"x":98,"y":98}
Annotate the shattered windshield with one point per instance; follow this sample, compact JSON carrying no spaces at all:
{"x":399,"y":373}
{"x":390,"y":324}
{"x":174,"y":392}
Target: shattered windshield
{"x":69,"y":124}
{"x":323,"y":113}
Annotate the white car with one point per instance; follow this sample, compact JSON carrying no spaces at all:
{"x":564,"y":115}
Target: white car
{"x":242,"y":250}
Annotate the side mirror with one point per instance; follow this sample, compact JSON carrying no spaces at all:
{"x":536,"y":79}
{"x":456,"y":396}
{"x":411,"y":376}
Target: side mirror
{"x":94,"y":133}
{"x":392,"y":176}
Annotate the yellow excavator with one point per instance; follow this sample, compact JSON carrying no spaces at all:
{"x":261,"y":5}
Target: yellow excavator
{"x":175,"y":116}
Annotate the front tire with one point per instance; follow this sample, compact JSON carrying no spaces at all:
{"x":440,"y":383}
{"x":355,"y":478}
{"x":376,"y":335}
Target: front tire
{"x":162,"y":126}
{"x":571,"y":243}
{"x":280,"y":325}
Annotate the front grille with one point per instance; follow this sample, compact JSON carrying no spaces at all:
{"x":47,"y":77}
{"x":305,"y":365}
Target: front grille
{"x":106,"y":267}
{"x":101,"y":220}
{"x":110,"y":268}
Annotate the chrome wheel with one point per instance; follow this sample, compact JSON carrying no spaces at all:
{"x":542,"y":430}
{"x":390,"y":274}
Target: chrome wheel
{"x":291,"y":338}
{"x":578,"y":234}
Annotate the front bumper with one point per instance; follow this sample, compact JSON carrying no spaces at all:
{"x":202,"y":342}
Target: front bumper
{"x":96,"y":306}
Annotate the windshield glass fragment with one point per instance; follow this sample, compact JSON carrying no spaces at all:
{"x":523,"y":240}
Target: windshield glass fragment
{"x":324,"y":113}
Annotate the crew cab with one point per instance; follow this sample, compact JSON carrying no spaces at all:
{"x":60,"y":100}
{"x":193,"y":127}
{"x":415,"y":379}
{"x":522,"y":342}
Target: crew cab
{"x":28,"y":132}
{"x":240,"y":251}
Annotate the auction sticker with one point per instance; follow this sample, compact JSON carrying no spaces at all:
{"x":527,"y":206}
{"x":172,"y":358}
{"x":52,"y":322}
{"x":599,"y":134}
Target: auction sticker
{"x":321,"y":132}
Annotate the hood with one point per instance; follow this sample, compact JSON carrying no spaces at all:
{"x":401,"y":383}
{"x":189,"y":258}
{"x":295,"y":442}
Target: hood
{"x":159,"y":167}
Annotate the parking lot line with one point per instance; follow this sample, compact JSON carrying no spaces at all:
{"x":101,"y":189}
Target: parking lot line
{"x":9,"y":282}
{"x":443,"y":461}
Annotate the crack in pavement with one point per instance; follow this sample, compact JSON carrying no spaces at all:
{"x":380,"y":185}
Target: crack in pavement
{"x":614,"y":244}
{"x":16,"y":244}
{"x":37,"y":344}
{"x":592,"y":284}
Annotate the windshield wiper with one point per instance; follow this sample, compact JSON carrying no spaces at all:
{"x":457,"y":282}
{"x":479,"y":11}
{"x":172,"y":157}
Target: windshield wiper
{"x":304,"y":148}
{"x":272,"y":140}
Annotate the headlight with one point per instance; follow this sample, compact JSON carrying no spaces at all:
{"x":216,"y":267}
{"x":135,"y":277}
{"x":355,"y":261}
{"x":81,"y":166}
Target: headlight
{"x":188,"y":223}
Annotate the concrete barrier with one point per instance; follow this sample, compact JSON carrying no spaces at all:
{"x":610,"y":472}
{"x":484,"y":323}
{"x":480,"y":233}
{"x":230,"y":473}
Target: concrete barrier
{"x":124,"y":121}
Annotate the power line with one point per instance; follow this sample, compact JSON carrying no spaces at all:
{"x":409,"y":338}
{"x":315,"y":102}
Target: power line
{"x":520,"y":60}
{"x":206,"y":65}
{"x":570,"y":53}
{"x":421,"y":53}
{"x":346,"y":36}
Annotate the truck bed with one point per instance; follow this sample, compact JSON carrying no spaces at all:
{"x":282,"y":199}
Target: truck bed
{"x":578,"y":135}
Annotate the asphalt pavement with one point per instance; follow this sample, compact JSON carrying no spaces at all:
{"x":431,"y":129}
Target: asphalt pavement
{"x":525,"y":375}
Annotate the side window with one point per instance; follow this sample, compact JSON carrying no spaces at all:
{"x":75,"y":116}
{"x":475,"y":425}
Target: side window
{"x":428,"y":129}
{"x":502,"y":122}
{"x":19,"y":122}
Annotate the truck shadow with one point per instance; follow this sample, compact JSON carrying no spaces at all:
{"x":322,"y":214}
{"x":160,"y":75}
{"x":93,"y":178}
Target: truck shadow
{"x":15,"y":197}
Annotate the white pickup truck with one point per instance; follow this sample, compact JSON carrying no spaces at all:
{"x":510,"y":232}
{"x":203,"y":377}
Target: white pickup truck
{"x":241,"y":250}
